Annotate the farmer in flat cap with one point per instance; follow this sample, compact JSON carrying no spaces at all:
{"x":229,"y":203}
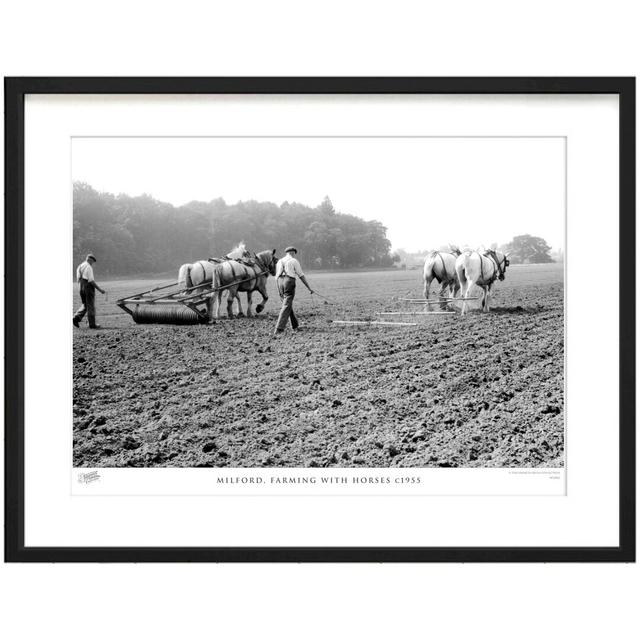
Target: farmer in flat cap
{"x":287,"y":269}
{"x":88,"y":286}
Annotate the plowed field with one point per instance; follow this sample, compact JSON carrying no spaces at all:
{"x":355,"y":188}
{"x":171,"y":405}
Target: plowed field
{"x":484,"y":390}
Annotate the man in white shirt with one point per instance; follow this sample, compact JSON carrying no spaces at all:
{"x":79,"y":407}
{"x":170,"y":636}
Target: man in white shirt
{"x":286,"y":271}
{"x":88,"y":286}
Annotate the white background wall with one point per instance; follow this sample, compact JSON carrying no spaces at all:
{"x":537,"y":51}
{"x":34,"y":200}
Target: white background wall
{"x":323,"y":38}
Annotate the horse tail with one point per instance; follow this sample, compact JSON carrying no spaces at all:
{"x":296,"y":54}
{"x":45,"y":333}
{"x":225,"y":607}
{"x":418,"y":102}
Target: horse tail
{"x":184,"y":276}
{"x":462,"y":264}
{"x":217,"y":276}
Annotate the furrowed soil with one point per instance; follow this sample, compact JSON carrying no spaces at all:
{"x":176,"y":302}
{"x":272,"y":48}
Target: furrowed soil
{"x":483,"y":390}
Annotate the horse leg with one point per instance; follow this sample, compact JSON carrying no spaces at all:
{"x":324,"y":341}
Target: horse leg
{"x":488,"y":298}
{"x":462,"y":281}
{"x":427,"y":286}
{"x":230,"y":296}
{"x":443,"y":290}
{"x":466,"y":295}
{"x":454,"y":290}
{"x":240,"y":311}
{"x":210,"y":304}
{"x":262,"y":288}
{"x":485,"y":295}
{"x":249,"y":312}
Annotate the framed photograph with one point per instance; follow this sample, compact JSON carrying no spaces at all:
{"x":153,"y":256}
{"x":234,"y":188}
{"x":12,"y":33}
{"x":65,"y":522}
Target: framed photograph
{"x":320,"y":319}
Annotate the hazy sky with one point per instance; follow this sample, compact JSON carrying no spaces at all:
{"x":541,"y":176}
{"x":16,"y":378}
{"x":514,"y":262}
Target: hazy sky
{"x":427,"y":191}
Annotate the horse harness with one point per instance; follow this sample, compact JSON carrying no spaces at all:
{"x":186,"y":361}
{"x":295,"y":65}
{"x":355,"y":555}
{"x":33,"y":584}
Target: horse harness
{"x":498,"y":272}
{"x":444,"y":268}
{"x":445,"y":277}
{"x":252,"y":263}
{"x":247,"y":263}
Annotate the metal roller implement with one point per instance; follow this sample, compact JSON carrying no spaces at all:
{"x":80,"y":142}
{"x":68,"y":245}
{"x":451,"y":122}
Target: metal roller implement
{"x":150,"y":314}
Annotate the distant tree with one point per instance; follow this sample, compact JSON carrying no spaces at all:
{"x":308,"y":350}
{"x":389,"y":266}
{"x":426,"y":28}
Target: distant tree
{"x":133,"y":235}
{"x":326,"y":206}
{"x":527,"y":249}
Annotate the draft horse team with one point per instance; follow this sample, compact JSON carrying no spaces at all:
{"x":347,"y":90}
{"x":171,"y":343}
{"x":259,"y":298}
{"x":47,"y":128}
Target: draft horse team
{"x":240,"y":271}
{"x":457,"y":270}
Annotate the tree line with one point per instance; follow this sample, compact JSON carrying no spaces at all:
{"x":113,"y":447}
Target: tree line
{"x":140,"y":234}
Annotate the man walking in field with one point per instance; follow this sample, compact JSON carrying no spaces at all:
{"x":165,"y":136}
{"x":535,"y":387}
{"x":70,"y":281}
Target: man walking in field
{"x":287,"y":269}
{"x":88,"y":286}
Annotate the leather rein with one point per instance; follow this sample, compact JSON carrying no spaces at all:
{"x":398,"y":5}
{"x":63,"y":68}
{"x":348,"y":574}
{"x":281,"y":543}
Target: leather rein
{"x":499,"y":269}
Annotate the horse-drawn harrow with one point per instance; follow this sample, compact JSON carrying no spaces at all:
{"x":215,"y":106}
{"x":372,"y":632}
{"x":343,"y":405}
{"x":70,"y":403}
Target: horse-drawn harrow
{"x":169,"y":305}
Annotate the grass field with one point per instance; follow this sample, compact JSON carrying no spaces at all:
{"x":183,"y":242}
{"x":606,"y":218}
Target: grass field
{"x":480,"y":390}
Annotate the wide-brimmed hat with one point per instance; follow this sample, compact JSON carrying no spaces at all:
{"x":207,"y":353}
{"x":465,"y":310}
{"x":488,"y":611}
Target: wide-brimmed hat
{"x":290,"y":249}
{"x":91,"y":256}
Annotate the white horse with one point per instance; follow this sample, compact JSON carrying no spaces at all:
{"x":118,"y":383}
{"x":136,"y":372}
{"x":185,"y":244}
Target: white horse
{"x":248,"y":276}
{"x":441,"y":266}
{"x":481,"y":269}
{"x":198,"y":274}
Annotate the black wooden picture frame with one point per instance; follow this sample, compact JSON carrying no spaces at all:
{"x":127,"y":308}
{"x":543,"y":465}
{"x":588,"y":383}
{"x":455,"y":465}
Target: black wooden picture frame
{"x":15,"y":91}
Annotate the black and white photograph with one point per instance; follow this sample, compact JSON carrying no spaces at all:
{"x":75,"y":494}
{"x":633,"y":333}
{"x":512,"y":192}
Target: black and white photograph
{"x":318,"y":301}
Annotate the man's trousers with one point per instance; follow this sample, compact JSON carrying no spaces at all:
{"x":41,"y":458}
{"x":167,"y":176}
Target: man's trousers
{"x":287,"y":291}
{"x":88,"y":297}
